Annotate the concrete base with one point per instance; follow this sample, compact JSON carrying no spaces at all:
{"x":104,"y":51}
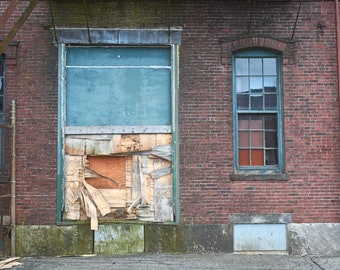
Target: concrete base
{"x":188,"y":238}
{"x":321,"y":239}
{"x":119,"y":239}
{"x":53,"y":240}
{"x":111,"y":239}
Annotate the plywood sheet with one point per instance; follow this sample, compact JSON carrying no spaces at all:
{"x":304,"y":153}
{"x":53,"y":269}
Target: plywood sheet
{"x":111,"y":172}
{"x":147,"y":141}
{"x":130,"y":143}
{"x":116,"y":197}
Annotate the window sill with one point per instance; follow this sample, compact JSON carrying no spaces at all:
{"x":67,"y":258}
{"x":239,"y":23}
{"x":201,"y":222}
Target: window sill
{"x":256,"y":177}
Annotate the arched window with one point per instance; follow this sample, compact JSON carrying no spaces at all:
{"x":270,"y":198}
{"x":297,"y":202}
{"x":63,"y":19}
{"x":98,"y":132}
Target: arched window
{"x":257,"y":98}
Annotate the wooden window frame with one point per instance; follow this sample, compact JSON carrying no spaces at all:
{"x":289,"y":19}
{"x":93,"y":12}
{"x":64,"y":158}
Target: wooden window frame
{"x":266,"y":170}
{"x":127,"y":38}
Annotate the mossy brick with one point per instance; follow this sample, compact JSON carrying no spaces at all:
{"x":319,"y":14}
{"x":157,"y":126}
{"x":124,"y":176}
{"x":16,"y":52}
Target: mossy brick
{"x":115,"y":239}
{"x":45,"y":240}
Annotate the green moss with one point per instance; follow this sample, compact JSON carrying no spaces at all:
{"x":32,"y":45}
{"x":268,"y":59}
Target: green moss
{"x":53,"y":240}
{"x":164,"y":238}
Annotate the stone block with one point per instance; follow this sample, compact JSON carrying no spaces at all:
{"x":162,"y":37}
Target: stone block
{"x":52,"y":240}
{"x":112,"y":239}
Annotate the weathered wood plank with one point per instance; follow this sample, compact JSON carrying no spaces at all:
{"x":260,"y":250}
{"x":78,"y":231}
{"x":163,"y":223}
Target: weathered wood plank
{"x":163,"y":139}
{"x":162,"y":151}
{"x":97,"y":147}
{"x":161,"y":172}
{"x":98,"y":198}
{"x":135,"y":179}
{"x":163,"y":206}
{"x":115,"y":143}
{"x":91,"y":211}
{"x":147,"y":141}
{"x":74,"y":146}
{"x":142,"y":182}
{"x":128,"y":175}
{"x":130,"y":143}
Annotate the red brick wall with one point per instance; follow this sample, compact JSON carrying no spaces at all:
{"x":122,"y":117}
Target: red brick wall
{"x":207,"y":195}
{"x":32,"y":83}
{"x":310,"y":113}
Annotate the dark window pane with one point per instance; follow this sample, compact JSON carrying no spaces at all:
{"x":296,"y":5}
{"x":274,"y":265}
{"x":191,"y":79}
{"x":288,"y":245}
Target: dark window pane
{"x":243,"y":139}
{"x":270,"y":101}
{"x":270,"y":122}
{"x":257,"y":103}
{"x":1,"y":87}
{"x":271,"y":139}
{"x":257,"y":157}
{"x":244,"y":157}
{"x":243,"y":102}
{"x":1,"y":104}
{"x":271,"y":157}
{"x":1,"y":68}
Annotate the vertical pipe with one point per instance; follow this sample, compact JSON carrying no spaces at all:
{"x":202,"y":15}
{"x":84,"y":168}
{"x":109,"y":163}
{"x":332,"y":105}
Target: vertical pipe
{"x":337,"y":48}
{"x":13,"y":179}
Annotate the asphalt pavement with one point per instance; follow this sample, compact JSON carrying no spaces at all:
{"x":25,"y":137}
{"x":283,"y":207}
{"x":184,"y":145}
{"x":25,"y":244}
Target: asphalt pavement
{"x":207,"y":261}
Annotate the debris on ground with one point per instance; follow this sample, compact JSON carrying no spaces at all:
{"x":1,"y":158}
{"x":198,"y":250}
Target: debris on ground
{"x":9,"y":263}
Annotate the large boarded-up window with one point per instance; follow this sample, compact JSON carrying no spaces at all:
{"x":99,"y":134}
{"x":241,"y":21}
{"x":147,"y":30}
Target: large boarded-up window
{"x":118,"y":132}
{"x":124,"y":86}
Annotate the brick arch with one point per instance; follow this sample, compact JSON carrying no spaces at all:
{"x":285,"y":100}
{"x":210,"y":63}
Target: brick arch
{"x":228,"y":46}
{"x":263,"y":42}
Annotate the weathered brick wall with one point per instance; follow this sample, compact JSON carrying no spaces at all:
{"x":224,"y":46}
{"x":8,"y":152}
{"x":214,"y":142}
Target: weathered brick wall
{"x":207,"y":195}
{"x":32,"y":82}
{"x":310,"y":113}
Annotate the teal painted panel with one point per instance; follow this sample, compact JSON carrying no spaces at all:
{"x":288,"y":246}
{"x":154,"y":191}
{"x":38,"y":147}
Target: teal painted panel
{"x":131,"y":93}
{"x":128,"y":56}
{"x":260,"y":237}
{"x":118,"y":97}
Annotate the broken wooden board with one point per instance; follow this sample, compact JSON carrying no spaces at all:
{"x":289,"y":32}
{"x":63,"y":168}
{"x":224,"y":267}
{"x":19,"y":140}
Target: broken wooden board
{"x":161,"y":172}
{"x":10,"y":262}
{"x":119,"y":171}
{"x":91,"y":211}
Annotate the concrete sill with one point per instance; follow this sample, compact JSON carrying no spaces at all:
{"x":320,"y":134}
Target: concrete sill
{"x":262,"y":177}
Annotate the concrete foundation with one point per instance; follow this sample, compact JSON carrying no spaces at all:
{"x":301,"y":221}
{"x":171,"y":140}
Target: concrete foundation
{"x":53,"y":240}
{"x":111,"y":239}
{"x":314,"y":239}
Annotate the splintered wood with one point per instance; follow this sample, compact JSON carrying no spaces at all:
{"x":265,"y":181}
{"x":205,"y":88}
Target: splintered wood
{"x":126,"y":176}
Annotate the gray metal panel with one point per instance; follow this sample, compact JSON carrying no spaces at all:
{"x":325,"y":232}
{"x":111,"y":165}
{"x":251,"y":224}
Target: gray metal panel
{"x":119,"y":36}
{"x":104,"y":37}
{"x":260,"y":237}
{"x":116,"y":129}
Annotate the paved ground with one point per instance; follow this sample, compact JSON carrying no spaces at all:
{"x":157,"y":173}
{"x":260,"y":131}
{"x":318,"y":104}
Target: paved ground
{"x":206,"y":261}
